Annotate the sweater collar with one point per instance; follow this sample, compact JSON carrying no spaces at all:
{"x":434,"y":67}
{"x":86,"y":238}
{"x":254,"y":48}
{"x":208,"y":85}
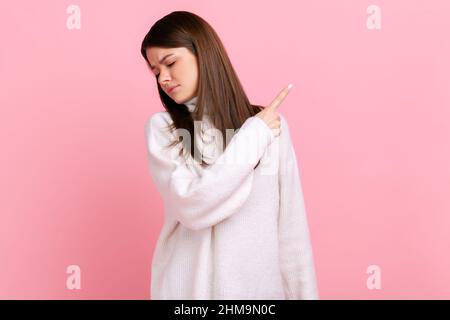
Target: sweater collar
{"x":191,"y":104}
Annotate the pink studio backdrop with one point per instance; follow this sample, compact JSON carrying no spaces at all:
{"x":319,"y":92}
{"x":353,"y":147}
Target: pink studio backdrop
{"x":369,"y":116}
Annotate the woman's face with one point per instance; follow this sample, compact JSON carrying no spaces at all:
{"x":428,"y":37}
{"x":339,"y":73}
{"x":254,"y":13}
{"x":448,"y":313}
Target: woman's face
{"x":175,"y":67}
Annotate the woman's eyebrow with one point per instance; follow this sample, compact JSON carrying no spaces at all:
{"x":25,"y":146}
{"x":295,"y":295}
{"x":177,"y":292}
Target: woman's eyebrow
{"x":162,"y":60}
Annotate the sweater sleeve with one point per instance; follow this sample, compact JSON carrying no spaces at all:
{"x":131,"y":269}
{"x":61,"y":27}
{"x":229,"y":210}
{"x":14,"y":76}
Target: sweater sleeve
{"x":296,"y":255}
{"x":200,"y":200}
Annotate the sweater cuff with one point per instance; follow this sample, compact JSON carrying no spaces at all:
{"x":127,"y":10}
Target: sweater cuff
{"x":264,"y":128}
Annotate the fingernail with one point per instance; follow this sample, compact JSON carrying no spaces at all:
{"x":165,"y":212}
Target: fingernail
{"x":290,"y":86}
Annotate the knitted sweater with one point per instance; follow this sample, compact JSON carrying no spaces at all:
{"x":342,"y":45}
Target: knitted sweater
{"x":230,"y":231}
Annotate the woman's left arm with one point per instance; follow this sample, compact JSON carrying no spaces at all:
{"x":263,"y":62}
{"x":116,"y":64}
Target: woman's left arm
{"x":296,"y":255}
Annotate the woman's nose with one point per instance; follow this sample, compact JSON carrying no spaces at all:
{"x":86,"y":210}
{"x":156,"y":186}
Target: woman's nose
{"x":164,"y":77}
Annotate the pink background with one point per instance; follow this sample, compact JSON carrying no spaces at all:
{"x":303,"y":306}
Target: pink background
{"x":369,"y":116}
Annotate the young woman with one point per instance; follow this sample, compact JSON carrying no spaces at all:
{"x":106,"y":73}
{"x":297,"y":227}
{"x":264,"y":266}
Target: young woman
{"x":235,"y":225}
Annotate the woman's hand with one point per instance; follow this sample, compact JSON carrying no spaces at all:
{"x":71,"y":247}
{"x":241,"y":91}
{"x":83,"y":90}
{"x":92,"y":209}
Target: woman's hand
{"x":270,"y":115}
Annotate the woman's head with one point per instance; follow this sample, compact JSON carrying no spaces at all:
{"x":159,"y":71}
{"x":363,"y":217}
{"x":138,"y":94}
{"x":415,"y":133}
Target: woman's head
{"x":201,"y":68}
{"x":175,"y":68}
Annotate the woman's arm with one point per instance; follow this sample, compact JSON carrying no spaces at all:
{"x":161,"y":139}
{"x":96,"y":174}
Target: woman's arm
{"x":296,"y":256}
{"x":201,"y":201}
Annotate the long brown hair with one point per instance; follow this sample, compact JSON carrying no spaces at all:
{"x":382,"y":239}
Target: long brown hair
{"x":219,"y":87}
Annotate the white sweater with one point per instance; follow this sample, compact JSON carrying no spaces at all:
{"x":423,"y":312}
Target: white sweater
{"x":230,"y":231}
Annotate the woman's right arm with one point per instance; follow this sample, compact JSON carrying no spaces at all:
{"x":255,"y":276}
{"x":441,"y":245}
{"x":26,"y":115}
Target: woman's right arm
{"x":201,"y":201}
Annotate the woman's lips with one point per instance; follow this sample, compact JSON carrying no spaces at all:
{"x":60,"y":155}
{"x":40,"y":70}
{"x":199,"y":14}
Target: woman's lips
{"x":170,"y":90}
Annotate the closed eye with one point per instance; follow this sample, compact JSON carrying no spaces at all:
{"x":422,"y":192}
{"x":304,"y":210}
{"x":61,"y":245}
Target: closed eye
{"x":167,"y":65}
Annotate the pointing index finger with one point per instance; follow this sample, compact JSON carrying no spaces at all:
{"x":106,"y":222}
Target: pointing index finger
{"x":281,"y":96}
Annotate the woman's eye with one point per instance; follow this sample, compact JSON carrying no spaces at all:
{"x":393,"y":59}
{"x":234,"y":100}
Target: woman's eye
{"x":157,"y":75}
